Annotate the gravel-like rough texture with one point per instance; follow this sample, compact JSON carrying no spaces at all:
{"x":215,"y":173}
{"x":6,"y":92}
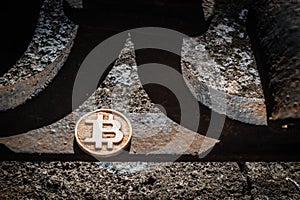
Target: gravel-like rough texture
{"x":79,"y":180}
{"x":153,"y":132}
{"x":43,"y":58}
{"x":277,"y":30}
{"x":274,"y":180}
{"x":220,"y":69}
{"x":82,"y":180}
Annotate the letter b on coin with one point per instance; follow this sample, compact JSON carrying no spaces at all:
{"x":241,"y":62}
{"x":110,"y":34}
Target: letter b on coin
{"x":103,"y":133}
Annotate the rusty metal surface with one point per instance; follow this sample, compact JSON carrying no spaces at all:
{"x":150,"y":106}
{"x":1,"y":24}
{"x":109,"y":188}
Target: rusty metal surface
{"x":239,"y":141}
{"x":221,"y":61}
{"x":45,"y":55}
{"x":55,"y":138}
{"x":124,"y":93}
{"x":156,"y":134}
{"x":275,"y":26}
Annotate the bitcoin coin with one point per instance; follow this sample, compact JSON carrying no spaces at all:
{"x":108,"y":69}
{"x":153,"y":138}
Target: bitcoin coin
{"x":103,"y":133}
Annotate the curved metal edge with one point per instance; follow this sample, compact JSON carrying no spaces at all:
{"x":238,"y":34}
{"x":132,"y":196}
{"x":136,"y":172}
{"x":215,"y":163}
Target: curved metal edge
{"x":13,"y":94}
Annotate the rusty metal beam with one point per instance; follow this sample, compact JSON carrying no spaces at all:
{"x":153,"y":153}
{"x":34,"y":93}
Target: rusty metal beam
{"x":275,"y":30}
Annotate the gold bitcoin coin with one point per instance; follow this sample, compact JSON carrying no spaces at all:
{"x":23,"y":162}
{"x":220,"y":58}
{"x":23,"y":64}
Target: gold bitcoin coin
{"x":103,"y":133}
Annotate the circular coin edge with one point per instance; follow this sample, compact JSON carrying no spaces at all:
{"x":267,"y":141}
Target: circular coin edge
{"x":95,"y":154}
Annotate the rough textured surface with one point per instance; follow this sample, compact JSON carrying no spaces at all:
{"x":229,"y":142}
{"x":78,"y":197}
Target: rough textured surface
{"x":75,"y":3}
{"x":122,"y":91}
{"x":208,"y":8}
{"x":157,"y":134}
{"x":221,"y":62}
{"x":77,"y":180}
{"x":277,"y":30}
{"x":274,"y":180}
{"x":80,"y":180}
{"x":55,"y":138}
{"x":43,"y":58}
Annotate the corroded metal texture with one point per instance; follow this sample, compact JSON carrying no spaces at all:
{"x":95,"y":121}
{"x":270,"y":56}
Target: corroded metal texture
{"x":221,"y":62}
{"x":277,"y":32}
{"x":55,"y":138}
{"x":153,"y":132}
{"x":43,"y":58}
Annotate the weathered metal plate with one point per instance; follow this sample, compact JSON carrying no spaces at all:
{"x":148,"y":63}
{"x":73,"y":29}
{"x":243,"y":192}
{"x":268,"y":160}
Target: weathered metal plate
{"x":220,"y":70}
{"x":44,"y":57}
{"x":122,"y":92}
{"x":275,"y":27}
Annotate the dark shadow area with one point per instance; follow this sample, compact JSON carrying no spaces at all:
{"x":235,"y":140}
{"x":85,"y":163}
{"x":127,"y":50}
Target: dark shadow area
{"x":162,"y":95}
{"x":260,"y":58}
{"x":98,"y":21}
{"x":18,"y":21}
{"x":184,"y":16}
{"x":273,"y":28}
{"x":55,"y":102}
{"x":265,"y":74}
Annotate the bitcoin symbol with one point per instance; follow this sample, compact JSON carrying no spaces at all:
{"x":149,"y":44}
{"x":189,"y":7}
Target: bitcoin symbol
{"x":99,"y":132}
{"x":108,"y":136}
